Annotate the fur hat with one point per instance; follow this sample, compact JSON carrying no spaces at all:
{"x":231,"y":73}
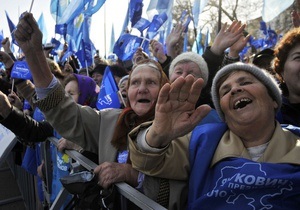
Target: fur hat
{"x":194,"y":57}
{"x":262,"y":75}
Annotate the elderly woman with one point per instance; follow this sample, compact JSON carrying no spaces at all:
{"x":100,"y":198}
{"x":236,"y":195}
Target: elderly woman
{"x":248,"y":162}
{"x":102,"y":132}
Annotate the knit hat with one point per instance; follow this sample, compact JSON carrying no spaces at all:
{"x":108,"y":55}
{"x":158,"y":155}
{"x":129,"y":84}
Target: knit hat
{"x":262,"y":75}
{"x":194,"y":57}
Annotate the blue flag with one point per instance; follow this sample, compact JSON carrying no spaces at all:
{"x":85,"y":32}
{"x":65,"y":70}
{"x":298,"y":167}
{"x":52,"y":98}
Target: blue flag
{"x":108,"y":95}
{"x":61,"y":29}
{"x":12,"y":28}
{"x":135,"y":11}
{"x":42,"y":26}
{"x":197,"y":10}
{"x":84,"y":53}
{"x":157,"y":22}
{"x":141,"y":25}
{"x":112,"y":38}
{"x":126,"y":46}
{"x":21,"y":70}
{"x":56,"y":43}
{"x":197,"y":46}
{"x":125,"y":24}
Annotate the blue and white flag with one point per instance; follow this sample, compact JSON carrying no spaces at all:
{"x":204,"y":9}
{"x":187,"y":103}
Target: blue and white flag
{"x":141,"y":25}
{"x":135,"y":11}
{"x":21,"y":70}
{"x":126,"y":46}
{"x":157,"y":22}
{"x":108,"y":95}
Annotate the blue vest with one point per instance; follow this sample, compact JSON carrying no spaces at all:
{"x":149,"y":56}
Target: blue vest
{"x":238,"y":183}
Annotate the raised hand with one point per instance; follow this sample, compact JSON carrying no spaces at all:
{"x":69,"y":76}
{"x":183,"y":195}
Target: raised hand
{"x":227,"y":36}
{"x":173,"y":40}
{"x":157,"y":50}
{"x":6,"y":59}
{"x":238,"y":46}
{"x":6,"y":45}
{"x":29,"y":38}
{"x":175,"y":113}
{"x":28,"y":34}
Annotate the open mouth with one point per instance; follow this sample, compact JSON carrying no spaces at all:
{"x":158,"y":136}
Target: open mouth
{"x":144,"y":101}
{"x":242,"y":103}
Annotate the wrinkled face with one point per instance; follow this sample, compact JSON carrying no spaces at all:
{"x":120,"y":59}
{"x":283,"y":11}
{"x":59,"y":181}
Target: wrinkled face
{"x":245,"y":100}
{"x":143,"y":89}
{"x":73,"y":89}
{"x":291,"y":74}
{"x":184,"y":69}
{"x":97,"y":78}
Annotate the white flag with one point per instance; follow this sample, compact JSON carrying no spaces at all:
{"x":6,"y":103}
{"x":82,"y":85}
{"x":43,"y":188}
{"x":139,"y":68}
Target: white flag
{"x":272,"y":8}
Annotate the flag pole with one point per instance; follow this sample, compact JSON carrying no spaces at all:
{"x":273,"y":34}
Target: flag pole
{"x":31,"y":6}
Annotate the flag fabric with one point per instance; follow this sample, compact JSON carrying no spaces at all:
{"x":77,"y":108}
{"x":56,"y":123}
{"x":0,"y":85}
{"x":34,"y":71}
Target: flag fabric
{"x":73,"y":9}
{"x":20,"y":70}
{"x":142,"y":24}
{"x":207,"y":39}
{"x":108,"y":95}
{"x":197,"y":10}
{"x":157,"y":22}
{"x":56,"y":43}
{"x":272,"y":8}
{"x":159,"y":6}
{"x":135,"y":11}
{"x":185,"y":43}
{"x":125,"y":24}
{"x":12,"y":28}
{"x":57,"y":8}
{"x":263,"y":27}
{"x":42,"y":27}
{"x":91,"y":9}
{"x":197,"y":46}
{"x":85,"y":54}
{"x":126,"y":46}
{"x":112,"y":38}
{"x":61,"y":29}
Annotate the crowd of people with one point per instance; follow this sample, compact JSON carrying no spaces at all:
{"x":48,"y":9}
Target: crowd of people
{"x":192,"y":132}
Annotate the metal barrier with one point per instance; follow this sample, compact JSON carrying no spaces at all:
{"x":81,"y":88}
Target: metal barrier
{"x":25,"y":181}
{"x":124,"y":189}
